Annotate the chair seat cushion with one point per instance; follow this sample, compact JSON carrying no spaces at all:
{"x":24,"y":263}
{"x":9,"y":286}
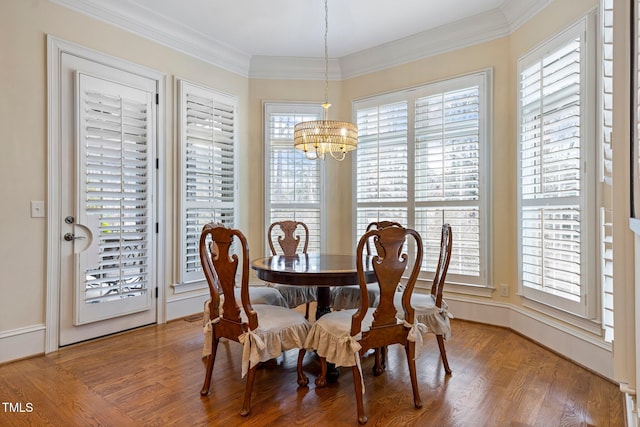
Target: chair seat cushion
{"x":426,"y":312}
{"x":264,"y":295}
{"x":330,"y":336}
{"x":348,"y":297}
{"x":298,"y":295}
{"x":279,"y":328}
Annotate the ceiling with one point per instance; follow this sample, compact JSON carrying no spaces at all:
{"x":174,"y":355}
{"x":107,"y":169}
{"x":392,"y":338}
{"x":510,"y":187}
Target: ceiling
{"x":246,"y":29}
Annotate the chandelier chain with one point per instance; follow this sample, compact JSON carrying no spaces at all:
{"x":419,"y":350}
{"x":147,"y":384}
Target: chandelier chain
{"x":326,"y":52}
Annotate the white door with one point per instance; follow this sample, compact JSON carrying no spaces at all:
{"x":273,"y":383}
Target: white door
{"x":107,"y":216}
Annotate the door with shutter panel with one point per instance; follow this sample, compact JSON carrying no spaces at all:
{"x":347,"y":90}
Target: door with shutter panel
{"x":107,"y":273}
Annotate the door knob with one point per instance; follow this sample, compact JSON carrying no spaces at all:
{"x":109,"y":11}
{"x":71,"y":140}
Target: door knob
{"x":70,"y":237}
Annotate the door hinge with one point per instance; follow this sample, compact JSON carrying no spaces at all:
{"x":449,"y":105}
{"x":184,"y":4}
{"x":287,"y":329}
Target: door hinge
{"x":157,"y":99}
{"x":157,"y":227}
{"x":156,"y":292}
{"x":157,"y":163}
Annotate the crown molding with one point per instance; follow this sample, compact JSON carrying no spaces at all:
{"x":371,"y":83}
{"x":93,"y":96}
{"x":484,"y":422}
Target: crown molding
{"x":518,"y":12}
{"x":148,"y":24}
{"x":292,"y":68}
{"x":467,"y":32}
{"x":471,"y":31}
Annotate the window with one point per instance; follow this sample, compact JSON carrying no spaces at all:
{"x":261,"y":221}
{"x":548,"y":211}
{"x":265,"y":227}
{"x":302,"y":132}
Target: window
{"x":293,"y":184}
{"x":422,"y":160}
{"x":556,"y":157}
{"x":207,"y":163}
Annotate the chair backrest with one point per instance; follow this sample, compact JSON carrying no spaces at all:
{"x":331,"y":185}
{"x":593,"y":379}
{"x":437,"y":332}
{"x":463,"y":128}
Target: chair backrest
{"x":389,"y":265}
{"x":446,"y":241}
{"x":289,"y":235}
{"x":377,"y":225}
{"x":220,"y":267}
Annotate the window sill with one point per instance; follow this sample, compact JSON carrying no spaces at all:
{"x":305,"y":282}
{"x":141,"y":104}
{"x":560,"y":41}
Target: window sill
{"x":180,"y":288}
{"x":457,"y":288}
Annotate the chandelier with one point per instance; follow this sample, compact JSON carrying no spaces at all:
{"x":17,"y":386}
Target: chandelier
{"x":319,"y":137}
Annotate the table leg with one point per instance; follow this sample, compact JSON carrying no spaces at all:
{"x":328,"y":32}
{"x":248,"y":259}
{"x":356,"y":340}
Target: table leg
{"x":324,"y":301}
{"x":324,"y":307}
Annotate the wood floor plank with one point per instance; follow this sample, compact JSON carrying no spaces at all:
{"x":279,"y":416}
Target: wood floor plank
{"x":152,"y":377}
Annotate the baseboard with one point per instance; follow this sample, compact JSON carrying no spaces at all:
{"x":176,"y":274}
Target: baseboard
{"x":183,"y":306}
{"x":21,"y":343}
{"x":576,"y":345}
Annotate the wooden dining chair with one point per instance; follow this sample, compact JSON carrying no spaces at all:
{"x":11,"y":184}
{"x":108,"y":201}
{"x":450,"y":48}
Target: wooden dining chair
{"x":430,"y":309}
{"x":346,"y":297}
{"x":342,"y":337}
{"x":265,"y":331}
{"x":291,"y":236}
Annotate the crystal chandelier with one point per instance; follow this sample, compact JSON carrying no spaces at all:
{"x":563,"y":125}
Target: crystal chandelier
{"x":319,"y":137}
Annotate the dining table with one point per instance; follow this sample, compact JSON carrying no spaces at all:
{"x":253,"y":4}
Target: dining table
{"x":314,"y":269}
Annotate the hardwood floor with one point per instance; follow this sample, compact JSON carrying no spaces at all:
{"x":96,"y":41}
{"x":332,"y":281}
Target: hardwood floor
{"x":152,"y":377}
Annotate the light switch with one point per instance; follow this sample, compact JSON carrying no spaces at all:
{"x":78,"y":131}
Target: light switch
{"x":37,"y":209}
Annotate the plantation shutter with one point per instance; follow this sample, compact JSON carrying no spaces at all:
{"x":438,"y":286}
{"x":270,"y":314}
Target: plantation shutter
{"x":550,"y":172}
{"x":207,"y":136}
{"x":293,"y":182}
{"x":115,"y":163}
{"x":447,"y":170}
{"x":382,"y":186}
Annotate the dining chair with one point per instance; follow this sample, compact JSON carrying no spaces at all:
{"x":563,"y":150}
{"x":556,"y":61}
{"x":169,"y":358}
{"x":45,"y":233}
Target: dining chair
{"x":264,"y":331}
{"x":342,"y":337}
{"x":430,"y":309}
{"x":289,"y":235}
{"x":347,"y":297}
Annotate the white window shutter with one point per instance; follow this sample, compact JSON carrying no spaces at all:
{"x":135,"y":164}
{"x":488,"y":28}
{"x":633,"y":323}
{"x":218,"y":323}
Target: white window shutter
{"x":207,"y":144}
{"x":293,"y":184}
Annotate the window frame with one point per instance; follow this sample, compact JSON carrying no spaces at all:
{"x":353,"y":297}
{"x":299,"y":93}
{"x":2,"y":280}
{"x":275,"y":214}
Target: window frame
{"x":483,"y":284}
{"x":183,"y":88}
{"x":587,"y":306}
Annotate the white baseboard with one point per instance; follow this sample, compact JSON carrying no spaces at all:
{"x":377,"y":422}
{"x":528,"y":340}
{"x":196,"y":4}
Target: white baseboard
{"x":21,"y":343}
{"x":576,"y":345}
{"x":183,"y":306}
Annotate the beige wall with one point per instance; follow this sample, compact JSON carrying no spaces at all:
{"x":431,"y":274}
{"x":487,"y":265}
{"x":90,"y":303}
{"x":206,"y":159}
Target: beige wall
{"x":23,"y":134}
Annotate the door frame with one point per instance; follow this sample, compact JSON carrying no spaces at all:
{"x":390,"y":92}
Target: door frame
{"x":55,"y":48}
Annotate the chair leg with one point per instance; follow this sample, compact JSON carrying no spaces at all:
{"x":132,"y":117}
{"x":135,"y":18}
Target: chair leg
{"x":246,"y":405}
{"x":357,"y":384}
{"x":321,"y":380}
{"x":380,"y":361}
{"x":209,"y":369}
{"x":303,"y":381}
{"x":410,"y":349}
{"x":443,"y":354}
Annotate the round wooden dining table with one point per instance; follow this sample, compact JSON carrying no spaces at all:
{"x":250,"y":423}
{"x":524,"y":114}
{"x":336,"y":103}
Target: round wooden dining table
{"x":313,"y":269}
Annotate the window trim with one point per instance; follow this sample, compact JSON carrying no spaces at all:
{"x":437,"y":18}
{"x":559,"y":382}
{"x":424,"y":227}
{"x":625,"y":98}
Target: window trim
{"x":193,"y":281}
{"x":587,"y":307}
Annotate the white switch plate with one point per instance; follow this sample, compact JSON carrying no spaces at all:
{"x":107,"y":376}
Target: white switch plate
{"x":504,"y":290}
{"x":37,"y":209}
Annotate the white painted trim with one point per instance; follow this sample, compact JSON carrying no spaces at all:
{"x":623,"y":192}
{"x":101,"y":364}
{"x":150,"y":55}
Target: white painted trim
{"x":181,"y":288}
{"x":21,"y":343}
{"x":186,"y":305}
